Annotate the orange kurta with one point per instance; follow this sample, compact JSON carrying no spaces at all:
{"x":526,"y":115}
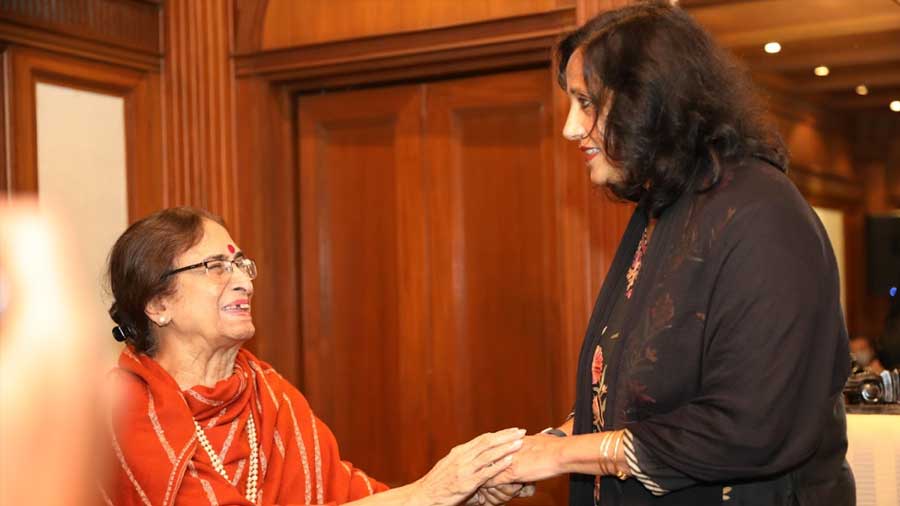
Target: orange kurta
{"x":159,"y":460}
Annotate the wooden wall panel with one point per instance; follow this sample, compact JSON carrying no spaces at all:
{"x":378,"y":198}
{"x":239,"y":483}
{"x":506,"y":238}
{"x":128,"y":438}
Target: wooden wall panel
{"x":364,"y":276}
{"x":199,"y":106}
{"x":288,"y":23}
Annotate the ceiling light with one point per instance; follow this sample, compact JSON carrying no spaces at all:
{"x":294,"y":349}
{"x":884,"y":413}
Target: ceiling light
{"x":895,"y":106}
{"x":772,"y":47}
{"x":821,"y":71}
{"x":862,"y":89}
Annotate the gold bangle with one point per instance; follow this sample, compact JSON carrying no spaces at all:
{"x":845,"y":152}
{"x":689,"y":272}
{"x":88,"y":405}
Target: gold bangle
{"x":604,"y":453}
{"x":621,"y":475}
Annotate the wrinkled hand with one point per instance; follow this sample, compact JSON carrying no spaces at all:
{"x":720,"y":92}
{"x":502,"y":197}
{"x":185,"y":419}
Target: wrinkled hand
{"x":467,"y":467}
{"x":535,"y":461}
{"x":501,"y":494}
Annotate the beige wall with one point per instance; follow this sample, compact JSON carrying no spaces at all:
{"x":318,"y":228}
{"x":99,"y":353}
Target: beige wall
{"x":81,"y":175}
{"x":833,"y":219}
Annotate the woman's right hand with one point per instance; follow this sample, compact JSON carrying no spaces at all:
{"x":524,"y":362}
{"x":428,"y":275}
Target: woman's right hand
{"x":458,"y":475}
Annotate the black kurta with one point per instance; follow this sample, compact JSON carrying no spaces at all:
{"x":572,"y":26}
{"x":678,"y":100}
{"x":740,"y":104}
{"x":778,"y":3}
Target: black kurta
{"x":731,"y":356}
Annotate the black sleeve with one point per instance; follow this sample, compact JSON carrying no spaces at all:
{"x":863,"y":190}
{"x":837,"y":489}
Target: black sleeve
{"x":657,"y":477}
{"x":772,"y":336}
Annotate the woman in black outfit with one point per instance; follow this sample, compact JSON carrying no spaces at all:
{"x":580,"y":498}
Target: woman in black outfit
{"x":712,"y":366}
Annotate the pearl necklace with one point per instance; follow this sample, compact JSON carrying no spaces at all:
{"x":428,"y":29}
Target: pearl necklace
{"x":220,"y":468}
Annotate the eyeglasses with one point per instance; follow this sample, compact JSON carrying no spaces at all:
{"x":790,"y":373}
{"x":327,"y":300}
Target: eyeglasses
{"x":220,"y":268}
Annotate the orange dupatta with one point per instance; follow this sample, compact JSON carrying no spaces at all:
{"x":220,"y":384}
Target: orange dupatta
{"x":159,"y":461}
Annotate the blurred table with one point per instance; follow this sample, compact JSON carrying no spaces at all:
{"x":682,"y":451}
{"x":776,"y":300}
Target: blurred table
{"x":873,"y":433}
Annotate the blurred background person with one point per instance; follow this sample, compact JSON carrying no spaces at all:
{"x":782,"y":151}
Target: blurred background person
{"x":864,"y":355}
{"x":51,"y":365}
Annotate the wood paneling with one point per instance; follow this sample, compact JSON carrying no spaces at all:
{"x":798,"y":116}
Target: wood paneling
{"x":4,"y":140}
{"x":140,"y":91}
{"x":267,"y":219}
{"x":497,"y":357}
{"x":442,"y":50}
{"x":132,"y":24}
{"x":587,"y":9}
{"x":459,"y":273}
{"x":431,"y":258}
{"x":495,"y":253}
{"x":124,"y":32}
{"x":364,"y":278}
{"x":289,"y":23}
{"x":249,"y":16}
{"x":199,"y":106}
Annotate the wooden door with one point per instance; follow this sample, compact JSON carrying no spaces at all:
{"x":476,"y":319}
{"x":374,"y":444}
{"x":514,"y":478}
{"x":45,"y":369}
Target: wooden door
{"x":363,"y":275}
{"x":494,"y":258}
{"x":430,"y":267}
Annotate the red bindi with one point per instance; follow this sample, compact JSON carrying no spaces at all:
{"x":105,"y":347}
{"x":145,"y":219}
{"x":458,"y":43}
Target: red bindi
{"x":230,"y":248}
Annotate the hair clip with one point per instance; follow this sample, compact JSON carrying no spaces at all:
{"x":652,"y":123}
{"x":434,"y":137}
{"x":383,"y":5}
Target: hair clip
{"x":119,"y":334}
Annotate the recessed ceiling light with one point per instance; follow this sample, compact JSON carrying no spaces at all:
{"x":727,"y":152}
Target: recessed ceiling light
{"x":895,"y":106}
{"x":821,"y":71}
{"x":862,"y":89}
{"x":772,"y":47}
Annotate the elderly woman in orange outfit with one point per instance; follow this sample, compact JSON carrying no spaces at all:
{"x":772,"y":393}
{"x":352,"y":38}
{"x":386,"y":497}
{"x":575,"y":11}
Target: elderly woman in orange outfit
{"x":206,"y":422}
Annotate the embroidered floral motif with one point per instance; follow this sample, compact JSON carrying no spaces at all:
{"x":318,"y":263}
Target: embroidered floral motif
{"x":661,"y":313}
{"x":598,"y":406}
{"x":598,"y":382}
{"x":635,"y":269}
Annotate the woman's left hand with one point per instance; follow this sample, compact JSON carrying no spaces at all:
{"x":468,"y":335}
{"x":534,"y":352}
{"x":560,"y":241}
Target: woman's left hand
{"x":538,"y":459}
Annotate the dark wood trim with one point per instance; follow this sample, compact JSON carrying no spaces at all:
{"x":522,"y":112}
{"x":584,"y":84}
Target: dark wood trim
{"x":340,"y":78}
{"x":143,"y":139}
{"x":488,"y":39}
{"x":127,"y":24}
{"x":79,"y":47}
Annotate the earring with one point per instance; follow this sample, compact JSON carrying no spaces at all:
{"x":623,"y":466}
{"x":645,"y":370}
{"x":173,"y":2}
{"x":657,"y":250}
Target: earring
{"x":162,"y":321}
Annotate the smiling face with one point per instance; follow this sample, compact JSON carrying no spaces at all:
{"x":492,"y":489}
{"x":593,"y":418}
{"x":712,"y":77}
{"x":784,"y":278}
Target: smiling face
{"x":212,"y":306}
{"x":584,"y":124}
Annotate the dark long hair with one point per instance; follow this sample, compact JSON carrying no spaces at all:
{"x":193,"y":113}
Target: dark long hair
{"x":678,"y":106}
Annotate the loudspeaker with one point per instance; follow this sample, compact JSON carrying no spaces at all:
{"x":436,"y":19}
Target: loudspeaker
{"x":883,"y":253}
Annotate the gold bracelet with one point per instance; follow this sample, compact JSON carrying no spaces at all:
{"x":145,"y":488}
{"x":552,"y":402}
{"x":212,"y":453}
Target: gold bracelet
{"x":621,"y":475}
{"x":603,"y":458}
{"x":607,"y":466}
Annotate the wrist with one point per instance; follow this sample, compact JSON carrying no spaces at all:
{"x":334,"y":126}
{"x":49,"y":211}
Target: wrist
{"x":414,"y":494}
{"x":562,"y":457}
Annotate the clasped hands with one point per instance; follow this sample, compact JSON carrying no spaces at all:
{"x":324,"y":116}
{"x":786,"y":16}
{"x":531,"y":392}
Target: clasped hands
{"x":492,"y":469}
{"x":535,"y":459}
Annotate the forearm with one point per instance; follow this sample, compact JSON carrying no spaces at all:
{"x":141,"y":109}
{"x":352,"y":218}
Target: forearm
{"x":407,"y":495}
{"x":600,"y":453}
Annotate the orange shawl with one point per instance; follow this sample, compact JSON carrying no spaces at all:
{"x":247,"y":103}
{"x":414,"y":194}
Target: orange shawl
{"x":159,"y":461}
